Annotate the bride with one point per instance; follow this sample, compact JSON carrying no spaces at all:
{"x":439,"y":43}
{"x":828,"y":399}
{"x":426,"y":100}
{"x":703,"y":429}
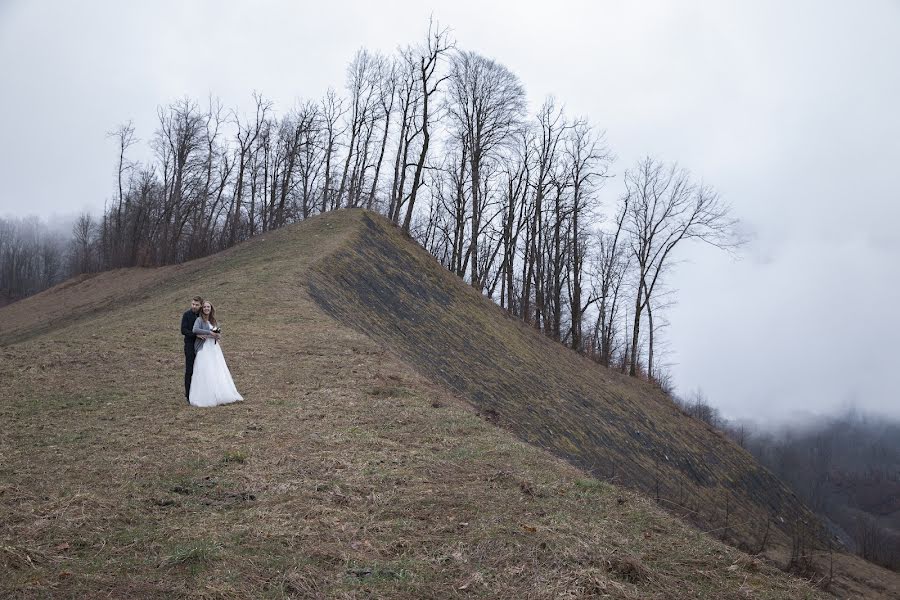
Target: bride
{"x":211,"y":384}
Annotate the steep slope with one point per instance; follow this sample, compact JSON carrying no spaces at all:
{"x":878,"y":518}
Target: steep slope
{"x":612,"y":426}
{"x":344,"y":474}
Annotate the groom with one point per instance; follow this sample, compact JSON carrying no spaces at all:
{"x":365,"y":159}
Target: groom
{"x":187,"y":330}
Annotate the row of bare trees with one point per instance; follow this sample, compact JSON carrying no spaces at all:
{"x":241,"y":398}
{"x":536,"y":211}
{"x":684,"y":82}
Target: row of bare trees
{"x":514,"y":208}
{"x":219,"y":176}
{"x":440,"y":140}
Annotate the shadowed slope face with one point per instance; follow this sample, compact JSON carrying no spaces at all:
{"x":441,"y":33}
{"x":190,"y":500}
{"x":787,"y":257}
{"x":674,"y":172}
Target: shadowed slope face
{"x":595,"y":418}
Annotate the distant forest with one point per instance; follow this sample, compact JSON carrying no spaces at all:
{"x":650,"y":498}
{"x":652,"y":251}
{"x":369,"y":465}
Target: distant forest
{"x":845,"y":468}
{"x":440,"y":141}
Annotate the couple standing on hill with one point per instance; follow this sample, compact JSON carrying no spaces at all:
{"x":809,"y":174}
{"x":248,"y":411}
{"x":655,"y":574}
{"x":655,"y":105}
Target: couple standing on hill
{"x":207,"y":380}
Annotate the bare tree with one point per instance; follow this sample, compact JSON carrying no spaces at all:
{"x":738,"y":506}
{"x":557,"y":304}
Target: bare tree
{"x":665,"y":207}
{"x":179,"y":142}
{"x":83,"y":244}
{"x":588,"y":160}
{"x":125,"y":139}
{"x":248,"y":132}
{"x":333,"y":111}
{"x":146,"y":202}
{"x":487,"y":103}
{"x":610,"y":269}
{"x":437,"y":43}
{"x":515,"y":208}
{"x":311,"y":157}
{"x":363,"y":85}
{"x":389,"y":82}
{"x":407,"y":108}
{"x":557,"y":254}
{"x":215,"y":177}
{"x":546,"y":140}
{"x":294,"y":136}
{"x":453,"y":198}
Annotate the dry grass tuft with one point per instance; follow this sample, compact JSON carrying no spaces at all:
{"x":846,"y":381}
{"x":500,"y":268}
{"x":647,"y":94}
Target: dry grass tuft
{"x":628,"y":568}
{"x":20,"y":558}
{"x":196,"y":553}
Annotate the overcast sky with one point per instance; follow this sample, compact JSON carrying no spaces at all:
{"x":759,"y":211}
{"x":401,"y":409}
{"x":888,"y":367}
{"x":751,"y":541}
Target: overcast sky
{"x":789,"y":109}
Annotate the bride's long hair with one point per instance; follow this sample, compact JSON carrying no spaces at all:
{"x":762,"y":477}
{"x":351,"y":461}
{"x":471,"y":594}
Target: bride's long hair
{"x":212,"y":313}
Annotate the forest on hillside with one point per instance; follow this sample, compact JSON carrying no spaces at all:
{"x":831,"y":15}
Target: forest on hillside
{"x":440,"y":140}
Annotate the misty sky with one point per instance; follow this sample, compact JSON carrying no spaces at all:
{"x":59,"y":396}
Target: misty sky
{"x":789,"y":109}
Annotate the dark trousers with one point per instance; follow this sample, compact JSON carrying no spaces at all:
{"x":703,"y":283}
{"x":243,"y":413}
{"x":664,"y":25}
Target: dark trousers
{"x":189,"y":356}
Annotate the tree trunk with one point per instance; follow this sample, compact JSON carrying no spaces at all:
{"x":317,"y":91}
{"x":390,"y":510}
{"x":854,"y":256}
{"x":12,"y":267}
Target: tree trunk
{"x":632,"y":367}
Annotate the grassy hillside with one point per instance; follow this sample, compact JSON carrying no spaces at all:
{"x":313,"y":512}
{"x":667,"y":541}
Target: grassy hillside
{"x":613,"y":426}
{"x":348,"y":472}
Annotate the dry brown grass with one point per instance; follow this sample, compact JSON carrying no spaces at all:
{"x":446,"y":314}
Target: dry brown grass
{"x":615,"y":427}
{"x":344,"y":474}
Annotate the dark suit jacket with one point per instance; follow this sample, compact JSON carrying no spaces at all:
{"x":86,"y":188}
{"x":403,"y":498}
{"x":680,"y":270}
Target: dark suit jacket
{"x":187,"y":327}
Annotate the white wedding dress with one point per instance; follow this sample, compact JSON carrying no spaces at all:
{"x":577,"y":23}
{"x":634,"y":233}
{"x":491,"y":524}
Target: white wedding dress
{"x":211,"y":383}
